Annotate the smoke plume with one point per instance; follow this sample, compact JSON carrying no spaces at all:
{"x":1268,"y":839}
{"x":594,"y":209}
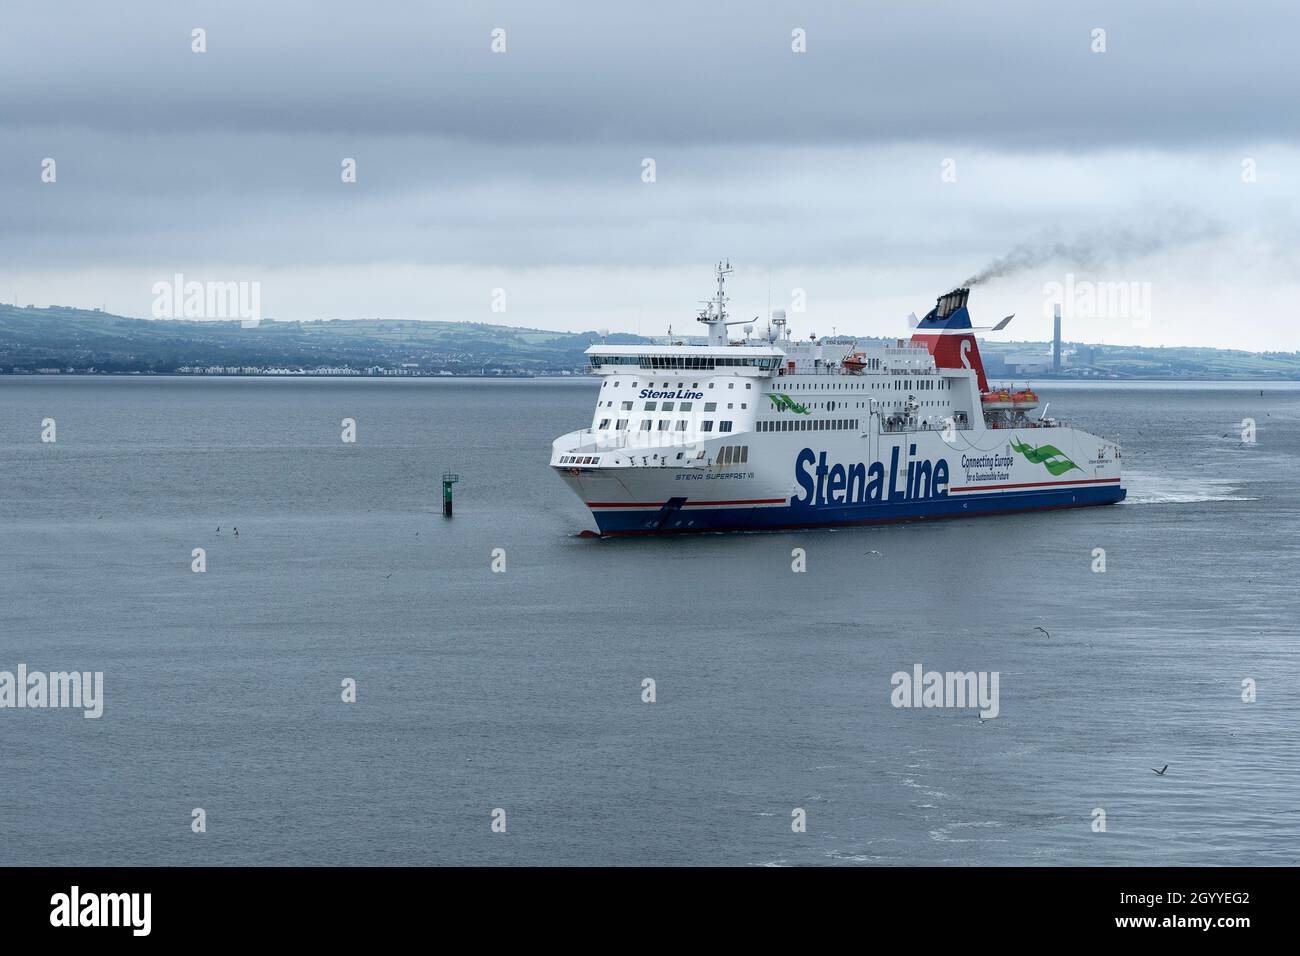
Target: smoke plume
{"x":1094,"y":252}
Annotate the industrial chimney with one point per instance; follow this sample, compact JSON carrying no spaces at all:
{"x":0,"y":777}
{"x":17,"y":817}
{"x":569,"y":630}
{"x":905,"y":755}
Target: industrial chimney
{"x":1056,"y":340}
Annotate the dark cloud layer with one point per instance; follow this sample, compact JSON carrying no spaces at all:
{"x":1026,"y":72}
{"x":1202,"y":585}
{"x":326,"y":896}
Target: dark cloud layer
{"x":1015,"y":75}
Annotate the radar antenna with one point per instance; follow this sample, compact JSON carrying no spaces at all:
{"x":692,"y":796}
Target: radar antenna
{"x":714,"y":313}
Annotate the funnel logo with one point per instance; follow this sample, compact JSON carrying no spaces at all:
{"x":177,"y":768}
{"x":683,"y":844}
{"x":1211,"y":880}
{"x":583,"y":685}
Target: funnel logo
{"x":1049,"y":456}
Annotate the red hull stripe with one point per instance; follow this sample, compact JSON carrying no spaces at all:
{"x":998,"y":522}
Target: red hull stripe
{"x":688,"y":504}
{"x":1041,"y":484}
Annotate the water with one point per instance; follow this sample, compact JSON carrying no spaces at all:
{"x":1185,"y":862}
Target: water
{"x":522,"y":690}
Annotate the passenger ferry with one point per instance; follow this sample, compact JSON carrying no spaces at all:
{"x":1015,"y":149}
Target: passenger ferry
{"x":776,"y":433}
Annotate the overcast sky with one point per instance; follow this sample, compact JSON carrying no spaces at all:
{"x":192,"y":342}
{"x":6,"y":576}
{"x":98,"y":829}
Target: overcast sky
{"x":911,"y":145}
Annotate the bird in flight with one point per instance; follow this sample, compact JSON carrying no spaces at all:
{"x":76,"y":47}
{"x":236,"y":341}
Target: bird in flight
{"x":1043,"y":629}
{"x":1161,"y":771}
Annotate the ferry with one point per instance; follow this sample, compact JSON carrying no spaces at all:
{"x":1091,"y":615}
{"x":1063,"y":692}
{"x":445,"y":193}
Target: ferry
{"x":773,"y":433}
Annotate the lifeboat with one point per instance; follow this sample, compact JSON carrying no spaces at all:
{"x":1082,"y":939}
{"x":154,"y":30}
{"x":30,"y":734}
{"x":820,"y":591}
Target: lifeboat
{"x":855,"y":362}
{"x":1008,"y":400}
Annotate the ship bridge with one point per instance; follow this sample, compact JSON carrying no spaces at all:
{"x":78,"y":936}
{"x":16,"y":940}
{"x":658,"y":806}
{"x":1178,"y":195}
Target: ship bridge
{"x":758,"y":360}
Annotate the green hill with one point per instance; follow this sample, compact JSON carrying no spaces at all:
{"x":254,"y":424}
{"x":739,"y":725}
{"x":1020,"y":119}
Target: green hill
{"x":83,"y":340}
{"x":64,"y":338}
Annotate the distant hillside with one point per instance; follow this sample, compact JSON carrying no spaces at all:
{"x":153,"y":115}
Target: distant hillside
{"x":62,"y":338}
{"x":33,"y":340}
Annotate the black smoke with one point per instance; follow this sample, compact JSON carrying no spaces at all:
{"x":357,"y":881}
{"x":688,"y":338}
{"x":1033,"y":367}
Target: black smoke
{"x":1098,"y":251}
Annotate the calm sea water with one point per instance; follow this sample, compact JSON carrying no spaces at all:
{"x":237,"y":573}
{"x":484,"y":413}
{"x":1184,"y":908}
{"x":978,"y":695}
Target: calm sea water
{"x":522,"y":690}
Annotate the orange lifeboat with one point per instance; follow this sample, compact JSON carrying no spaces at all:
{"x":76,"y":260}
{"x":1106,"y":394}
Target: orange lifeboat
{"x":855,"y":362}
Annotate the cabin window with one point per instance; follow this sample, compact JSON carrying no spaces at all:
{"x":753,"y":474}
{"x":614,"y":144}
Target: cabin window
{"x":706,"y":426}
{"x":686,"y":406}
{"x":651,"y":406}
{"x":668,"y":406}
{"x":604,"y":423}
{"x":710,"y":406}
{"x":627,"y":406}
{"x":645,"y":424}
{"x":724,"y":426}
{"x":621,"y":424}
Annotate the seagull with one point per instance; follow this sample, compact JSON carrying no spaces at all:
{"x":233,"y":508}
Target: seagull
{"x":1043,"y":629}
{"x":236,"y":532}
{"x":1161,"y":771}
{"x":388,"y":575}
{"x":870,"y":552}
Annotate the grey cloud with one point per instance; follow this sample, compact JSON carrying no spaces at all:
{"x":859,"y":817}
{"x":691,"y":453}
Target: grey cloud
{"x":824,"y":165}
{"x":1015,"y":75}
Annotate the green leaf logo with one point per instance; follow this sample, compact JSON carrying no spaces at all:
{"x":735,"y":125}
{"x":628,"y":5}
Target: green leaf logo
{"x":785,"y":401}
{"x":1049,"y":456}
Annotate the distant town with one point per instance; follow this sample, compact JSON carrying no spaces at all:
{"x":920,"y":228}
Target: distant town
{"x":65,"y":341}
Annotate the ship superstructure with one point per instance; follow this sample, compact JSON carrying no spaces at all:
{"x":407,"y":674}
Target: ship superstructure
{"x":774,"y":433}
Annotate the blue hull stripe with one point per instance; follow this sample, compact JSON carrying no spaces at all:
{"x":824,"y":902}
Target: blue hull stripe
{"x":804,"y":516}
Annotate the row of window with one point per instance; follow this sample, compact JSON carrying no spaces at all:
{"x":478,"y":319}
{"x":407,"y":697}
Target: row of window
{"x":647,"y":424}
{"x":674,"y":406}
{"x":733,"y":455}
{"x":617,"y":383}
{"x":807,"y":425}
{"x":701,"y":362}
{"x":579,"y":459}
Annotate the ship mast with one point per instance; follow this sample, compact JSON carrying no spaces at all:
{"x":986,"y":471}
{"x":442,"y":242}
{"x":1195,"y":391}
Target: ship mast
{"x":714,"y":313}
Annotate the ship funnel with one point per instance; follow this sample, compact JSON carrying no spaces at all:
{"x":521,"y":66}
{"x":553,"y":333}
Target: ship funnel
{"x":946,"y":331}
{"x":946,"y":305}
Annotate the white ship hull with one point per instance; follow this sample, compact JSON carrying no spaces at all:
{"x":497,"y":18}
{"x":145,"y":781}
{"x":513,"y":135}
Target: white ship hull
{"x":802,"y":480}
